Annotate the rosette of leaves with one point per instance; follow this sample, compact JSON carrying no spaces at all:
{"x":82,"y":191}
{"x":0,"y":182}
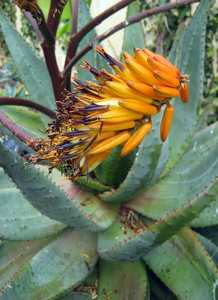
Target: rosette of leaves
{"x":142,"y":227}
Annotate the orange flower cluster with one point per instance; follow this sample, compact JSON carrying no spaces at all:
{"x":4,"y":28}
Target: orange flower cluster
{"x":115,"y":110}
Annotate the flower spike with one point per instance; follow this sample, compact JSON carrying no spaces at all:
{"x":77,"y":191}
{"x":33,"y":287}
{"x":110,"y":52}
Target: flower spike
{"x":115,"y":110}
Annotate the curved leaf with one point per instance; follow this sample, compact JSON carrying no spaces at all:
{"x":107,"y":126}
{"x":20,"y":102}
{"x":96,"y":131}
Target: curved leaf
{"x":65,"y":203}
{"x":91,"y":185}
{"x":55,"y":269}
{"x":134,"y":34}
{"x":197,"y":170}
{"x":13,"y":255}
{"x":185,"y":267}
{"x":126,"y":242}
{"x":32,"y":70}
{"x":123,"y":281}
{"x":84,"y":17}
{"x":114,"y":169}
{"x":30,"y":120}
{"x":19,"y":220}
{"x":142,"y":170}
{"x":190,"y":59}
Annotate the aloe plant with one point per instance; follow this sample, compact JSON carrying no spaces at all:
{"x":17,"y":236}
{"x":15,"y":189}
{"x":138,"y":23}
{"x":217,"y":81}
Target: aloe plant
{"x":137,"y":227}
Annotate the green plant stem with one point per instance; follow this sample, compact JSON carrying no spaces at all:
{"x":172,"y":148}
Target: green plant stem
{"x":131,"y":20}
{"x":27,"y":103}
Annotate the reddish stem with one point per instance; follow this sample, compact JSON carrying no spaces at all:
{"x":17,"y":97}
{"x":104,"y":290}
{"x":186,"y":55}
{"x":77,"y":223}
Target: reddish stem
{"x":48,"y":46}
{"x":54,"y":16}
{"x":77,"y":37}
{"x":124,"y":24}
{"x":27,"y":103}
{"x":54,"y":72}
{"x":16,"y":130}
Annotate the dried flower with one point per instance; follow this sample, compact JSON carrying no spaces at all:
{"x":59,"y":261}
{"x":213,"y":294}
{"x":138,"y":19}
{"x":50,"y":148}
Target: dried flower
{"x":115,"y":110}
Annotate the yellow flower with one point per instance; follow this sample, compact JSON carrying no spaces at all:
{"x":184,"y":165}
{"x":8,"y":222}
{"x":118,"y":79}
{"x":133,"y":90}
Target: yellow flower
{"x":116,"y":110}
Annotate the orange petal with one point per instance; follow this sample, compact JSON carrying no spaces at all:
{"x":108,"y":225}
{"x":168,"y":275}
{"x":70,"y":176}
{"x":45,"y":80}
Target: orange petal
{"x":141,"y":58}
{"x":118,"y":126}
{"x":144,"y":74}
{"x":110,"y":143}
{"x":126,"y":74}
{"x":167,"y":79}
{"x":104,"y":135}
{"x":165,"y":68}
{"x":148,"y":52}
{"x":120,"y":114}
{"x":140,"y":106}
{"x":166,"y":91}
{"x":166,"y":122}
{"x":124,"y":91}
{"x":147,"y":90}
{"x":136,"y":138}
{"x":93,"y":161}
{"x":184,"y":92}
{"x":165,"y":62}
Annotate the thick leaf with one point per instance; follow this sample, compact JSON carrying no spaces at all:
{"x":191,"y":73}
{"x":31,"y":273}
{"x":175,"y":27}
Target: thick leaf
{"x":19,"y":220}
{"x":58,"y":267}
{"x":124,"y":241}
{"x":91,"y":185}
{"x":134,"y":34}
{"x":197,"y":170}
{"x":13,"y":255}
{"x":209,"y":216}
{"x":211,"y":248}
{"x":190,"y":59}
{"x":114,"y":169}
{"x":84,"y":17}
{"x":185,"y":267}
{"x":159,"y":291}
{"x":142,"y":169}
{"x":123,"y":281}
{"x":31,"y":121}
{"x":77,"y":296}
{"x":210,"y":233}
{"x":65,"y":203}
{"x":31,"y":69}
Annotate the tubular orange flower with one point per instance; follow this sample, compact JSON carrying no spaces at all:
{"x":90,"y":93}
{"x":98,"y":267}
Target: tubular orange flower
{"x":115,"y":110}
{"x":166,"y":122}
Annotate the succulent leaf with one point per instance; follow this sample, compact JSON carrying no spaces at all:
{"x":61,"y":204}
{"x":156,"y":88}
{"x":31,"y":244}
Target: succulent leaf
{"x":19,"y":220}
{"x":91,"y":185}
{"x":13,"y":256}
{"x":123,"y":280}
{"x":84,"y":17}
{"x":142,"y":170}
{"x":190,"y":59}
{"x":77,"y":296}
{"x":64,"y":203}
{"x":124,"y":242}
{"x":184,"y":266}
{"x":113,"y":170}
{"x":196,"y":171}
{"x":131,"y":39}
{"x":55,"y":269}
{"x":31,"y":121}
{"x":32,"y":70}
